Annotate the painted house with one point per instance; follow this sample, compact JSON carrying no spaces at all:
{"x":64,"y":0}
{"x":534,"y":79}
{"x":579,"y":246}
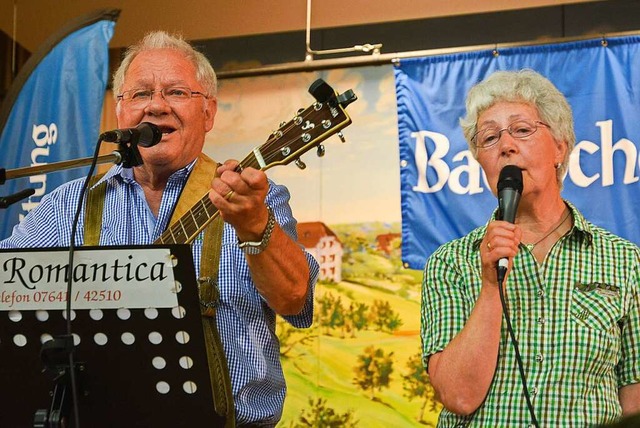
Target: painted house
{"x":324,"y":246}
{"x":384,"y":241}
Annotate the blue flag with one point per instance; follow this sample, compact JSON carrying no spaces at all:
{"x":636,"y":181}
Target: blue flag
{"x":52,"y":110}
{"x":444,"y":193}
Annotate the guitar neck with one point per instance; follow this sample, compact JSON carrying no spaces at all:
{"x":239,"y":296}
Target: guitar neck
{"x":307,"y":129}
{"x":189,"y":226}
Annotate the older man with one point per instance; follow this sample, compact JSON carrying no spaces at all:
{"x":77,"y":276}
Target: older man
{"x":262,"y":270}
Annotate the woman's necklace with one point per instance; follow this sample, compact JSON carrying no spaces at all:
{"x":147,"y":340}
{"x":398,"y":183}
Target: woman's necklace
{"x":532,"y":246}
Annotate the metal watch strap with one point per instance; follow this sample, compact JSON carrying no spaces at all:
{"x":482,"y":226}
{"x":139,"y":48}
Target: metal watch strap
{"x":252,"y":247}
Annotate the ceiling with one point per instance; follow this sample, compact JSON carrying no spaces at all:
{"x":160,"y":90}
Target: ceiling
{"x":32,"y":21}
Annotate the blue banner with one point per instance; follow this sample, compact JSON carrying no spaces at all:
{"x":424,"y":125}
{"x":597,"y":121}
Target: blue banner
{"x":444,"y":192}
{"x":52,"y":111}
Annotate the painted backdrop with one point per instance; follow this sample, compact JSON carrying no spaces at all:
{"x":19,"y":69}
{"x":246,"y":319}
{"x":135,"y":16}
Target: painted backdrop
{"x":359,"y":364}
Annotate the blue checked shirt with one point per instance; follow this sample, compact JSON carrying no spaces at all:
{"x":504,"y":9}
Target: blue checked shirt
{"x":245,"y":322}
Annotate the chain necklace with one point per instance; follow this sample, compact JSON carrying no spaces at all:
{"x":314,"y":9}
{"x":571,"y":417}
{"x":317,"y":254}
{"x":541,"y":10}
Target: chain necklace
{"x":532,"y":246}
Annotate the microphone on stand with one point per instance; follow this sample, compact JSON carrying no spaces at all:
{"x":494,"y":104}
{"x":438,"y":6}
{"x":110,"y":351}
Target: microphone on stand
{"x":12,"y":199}
{"x":145,"y":135}
{"x":509,"y":191}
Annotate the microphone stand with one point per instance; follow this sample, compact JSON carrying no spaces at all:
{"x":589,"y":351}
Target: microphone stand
{"x":128,"y":155}
{"x":114,"y":157}
{"x":54,"y":353}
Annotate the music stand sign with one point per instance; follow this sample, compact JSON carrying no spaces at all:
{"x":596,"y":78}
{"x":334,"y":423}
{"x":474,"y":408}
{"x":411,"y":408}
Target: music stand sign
{"x":137,"y":337}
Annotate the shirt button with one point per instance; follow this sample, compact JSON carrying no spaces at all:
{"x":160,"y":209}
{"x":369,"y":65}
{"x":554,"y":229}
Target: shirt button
{"x":539,"y":358}
{"x":534,"y":391}
{"x":541,"y":320}
{"x":540,"y":293}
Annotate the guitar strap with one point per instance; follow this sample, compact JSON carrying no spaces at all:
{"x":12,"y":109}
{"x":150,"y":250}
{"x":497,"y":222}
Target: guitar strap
{"x":197,"y":185}
{"x":93,"y":211}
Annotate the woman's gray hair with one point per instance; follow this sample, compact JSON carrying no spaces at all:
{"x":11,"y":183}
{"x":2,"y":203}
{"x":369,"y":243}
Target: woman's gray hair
{"x":531,"y":88}
{"x":205,"y":74}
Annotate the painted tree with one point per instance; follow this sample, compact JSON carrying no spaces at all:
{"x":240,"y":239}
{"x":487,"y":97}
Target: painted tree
{"x":373,"y":370}
{"x":338,"y":317}
{"x":416,"y":384}
{"x":330,"y":313}
{"x":293,"y":338}
{"x":320,"y":415}
{"x":357,"y":317}
{"x":384,"y":317}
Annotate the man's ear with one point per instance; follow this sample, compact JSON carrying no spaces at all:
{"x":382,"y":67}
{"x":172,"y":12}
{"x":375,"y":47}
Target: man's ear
{"x":210,"y":110}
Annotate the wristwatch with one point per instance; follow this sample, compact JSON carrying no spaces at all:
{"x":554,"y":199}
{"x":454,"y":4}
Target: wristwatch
{"x":253,"y":247}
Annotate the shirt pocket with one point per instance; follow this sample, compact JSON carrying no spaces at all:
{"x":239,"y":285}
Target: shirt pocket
{"x":595,"y":306}
{"x":593,"y":339}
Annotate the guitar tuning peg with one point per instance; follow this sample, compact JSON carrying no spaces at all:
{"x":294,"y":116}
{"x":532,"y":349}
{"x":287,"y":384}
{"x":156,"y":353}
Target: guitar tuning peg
{"x":282,"y":124}
{"x":300,"y":164}
{"x":321,"y":150}
{"x":341,"y":136}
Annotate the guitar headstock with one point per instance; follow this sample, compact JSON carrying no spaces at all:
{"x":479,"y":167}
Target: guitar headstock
{"x":308,"y":128}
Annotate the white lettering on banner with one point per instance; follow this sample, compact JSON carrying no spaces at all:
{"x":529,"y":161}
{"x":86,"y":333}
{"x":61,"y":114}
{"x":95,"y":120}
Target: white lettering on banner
{"x":43,"y":136}
{"x":423,"y":161}
{"x":471,"y":168}
{"x":440,"y":167}
{"x":607,"y":151}
{"x":575,"y":172}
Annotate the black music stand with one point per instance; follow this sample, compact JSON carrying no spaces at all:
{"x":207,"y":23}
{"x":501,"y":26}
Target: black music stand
{"x":136,"y":367}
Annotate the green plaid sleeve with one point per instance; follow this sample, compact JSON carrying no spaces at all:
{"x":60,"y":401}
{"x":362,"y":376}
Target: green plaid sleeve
{"x":628,"y":369}
{"x":446,"y":302}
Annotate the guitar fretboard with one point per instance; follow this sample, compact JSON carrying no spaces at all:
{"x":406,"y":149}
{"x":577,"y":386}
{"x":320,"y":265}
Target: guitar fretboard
{"x":307,"y":129}
{"x":187,"y":227}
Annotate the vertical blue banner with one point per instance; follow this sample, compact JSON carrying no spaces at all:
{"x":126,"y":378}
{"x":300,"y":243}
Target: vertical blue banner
{"x":444,"y":193}
{"x":52,"y":111}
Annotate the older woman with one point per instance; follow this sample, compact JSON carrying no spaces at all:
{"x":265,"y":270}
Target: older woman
{"x":572,"y":288}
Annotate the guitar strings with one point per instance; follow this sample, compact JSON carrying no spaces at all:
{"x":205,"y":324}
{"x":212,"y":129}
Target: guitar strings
{"x":286,"y":130}
{"x":179,"y":227}
{"x":270,"y":141}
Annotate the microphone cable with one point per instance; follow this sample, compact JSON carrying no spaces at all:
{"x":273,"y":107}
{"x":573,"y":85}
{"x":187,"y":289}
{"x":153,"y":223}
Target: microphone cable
{"x":514,"y":342}
{"x":69,"y":334}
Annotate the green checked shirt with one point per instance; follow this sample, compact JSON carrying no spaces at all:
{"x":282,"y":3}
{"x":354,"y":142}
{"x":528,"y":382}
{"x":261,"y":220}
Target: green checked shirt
{"x":576,"y":318}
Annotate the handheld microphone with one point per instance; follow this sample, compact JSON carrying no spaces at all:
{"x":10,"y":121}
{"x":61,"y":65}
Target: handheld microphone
{"x":145,"y":135}
{"x":509,"y":191}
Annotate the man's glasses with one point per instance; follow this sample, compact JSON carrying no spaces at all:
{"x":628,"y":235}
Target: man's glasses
{"x":519,"y":129}
{"x":173,"y":95}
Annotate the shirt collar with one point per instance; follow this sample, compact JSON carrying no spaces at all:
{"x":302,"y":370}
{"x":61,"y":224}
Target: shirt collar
{"x":581,"y":228}
{"x":118,"y":172}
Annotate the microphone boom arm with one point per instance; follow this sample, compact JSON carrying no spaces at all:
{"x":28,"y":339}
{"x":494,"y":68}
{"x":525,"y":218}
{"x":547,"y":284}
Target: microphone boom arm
{"x":114,"y":157}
